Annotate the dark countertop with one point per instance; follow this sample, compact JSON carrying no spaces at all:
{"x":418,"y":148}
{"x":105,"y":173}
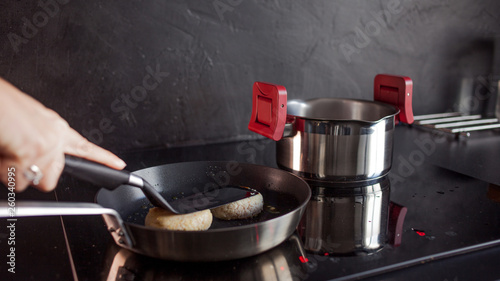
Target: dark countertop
{"x":459,"y":225}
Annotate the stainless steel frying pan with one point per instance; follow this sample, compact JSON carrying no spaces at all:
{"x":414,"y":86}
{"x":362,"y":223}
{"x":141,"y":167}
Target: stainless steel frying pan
{"x":124,"y":209}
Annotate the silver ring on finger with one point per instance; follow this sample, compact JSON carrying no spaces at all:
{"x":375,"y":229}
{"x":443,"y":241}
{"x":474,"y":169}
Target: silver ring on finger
{"x":33,"y":174}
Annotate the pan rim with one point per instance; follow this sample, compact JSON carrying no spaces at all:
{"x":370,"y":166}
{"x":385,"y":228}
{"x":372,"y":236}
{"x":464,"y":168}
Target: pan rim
{"x":223,"y":229}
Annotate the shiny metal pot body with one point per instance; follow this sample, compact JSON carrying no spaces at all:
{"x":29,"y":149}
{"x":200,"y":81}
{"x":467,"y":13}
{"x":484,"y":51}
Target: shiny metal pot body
{"x":337,"y":140}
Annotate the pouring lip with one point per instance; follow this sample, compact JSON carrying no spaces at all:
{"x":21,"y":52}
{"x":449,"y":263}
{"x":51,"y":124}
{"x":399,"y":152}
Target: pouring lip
{"x":312,"y":109}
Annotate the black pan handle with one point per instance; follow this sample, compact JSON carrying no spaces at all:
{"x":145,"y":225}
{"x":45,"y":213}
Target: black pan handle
{"x":95,"y":173}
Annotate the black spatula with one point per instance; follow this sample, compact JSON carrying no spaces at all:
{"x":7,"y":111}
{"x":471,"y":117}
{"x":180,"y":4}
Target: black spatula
{"x":110,"y":179}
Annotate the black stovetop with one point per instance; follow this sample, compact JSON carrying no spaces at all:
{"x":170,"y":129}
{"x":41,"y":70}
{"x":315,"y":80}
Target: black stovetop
{"x":451,"y":230}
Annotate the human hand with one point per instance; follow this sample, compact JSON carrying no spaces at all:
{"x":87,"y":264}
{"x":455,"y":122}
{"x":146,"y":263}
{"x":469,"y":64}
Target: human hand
{"x":32,"y":134}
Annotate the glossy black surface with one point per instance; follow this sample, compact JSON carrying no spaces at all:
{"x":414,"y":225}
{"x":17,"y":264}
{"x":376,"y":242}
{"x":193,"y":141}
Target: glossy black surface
{"x":452,"y":228}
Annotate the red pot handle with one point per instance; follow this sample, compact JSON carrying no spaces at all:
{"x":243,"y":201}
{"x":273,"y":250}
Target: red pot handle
{"x":395,"y":90}
{"x":268,"y":110}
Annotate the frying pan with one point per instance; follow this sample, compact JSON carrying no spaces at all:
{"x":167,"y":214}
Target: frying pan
{"x":124,"y":209}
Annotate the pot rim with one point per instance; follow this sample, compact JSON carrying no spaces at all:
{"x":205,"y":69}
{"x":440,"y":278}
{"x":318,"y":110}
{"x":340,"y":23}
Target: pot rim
{"x":391,"y":110}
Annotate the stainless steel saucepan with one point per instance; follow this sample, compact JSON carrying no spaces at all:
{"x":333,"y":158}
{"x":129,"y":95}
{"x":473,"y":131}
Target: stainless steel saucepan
{"x":332,"y":139}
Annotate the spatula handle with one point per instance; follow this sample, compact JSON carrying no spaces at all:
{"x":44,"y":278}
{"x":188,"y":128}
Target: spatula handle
{"x":95,"y":173}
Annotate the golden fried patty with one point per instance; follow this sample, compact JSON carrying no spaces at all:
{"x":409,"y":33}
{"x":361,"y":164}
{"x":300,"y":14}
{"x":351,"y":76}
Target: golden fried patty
{"x":241,"y":209}
{"x":165,"y":219}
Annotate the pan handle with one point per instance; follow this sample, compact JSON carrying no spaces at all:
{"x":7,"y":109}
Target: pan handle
{"x":41,"y":209}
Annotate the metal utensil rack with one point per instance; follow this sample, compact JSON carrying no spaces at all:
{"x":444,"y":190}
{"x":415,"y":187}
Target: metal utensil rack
{"x":480,"y":88}
{"x":456,"y":123}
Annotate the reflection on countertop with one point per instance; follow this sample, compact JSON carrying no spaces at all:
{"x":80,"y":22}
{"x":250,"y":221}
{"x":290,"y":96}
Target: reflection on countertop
{"x":285,"y":262}
{"x":351,"y":219}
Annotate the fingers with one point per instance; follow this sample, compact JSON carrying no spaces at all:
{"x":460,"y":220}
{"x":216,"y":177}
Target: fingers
{"x":32,"y":134}
{"x":74,"y":144}
{"x":81,"y":147}
{"x":40,"y":170}
{"x":51,"y":167}
{"x":51,"y":161}
{"x":25,"y":175}
{"x":14,"y":171}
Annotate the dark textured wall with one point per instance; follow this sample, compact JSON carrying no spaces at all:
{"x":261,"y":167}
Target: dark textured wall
{"x":136,"y":74}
